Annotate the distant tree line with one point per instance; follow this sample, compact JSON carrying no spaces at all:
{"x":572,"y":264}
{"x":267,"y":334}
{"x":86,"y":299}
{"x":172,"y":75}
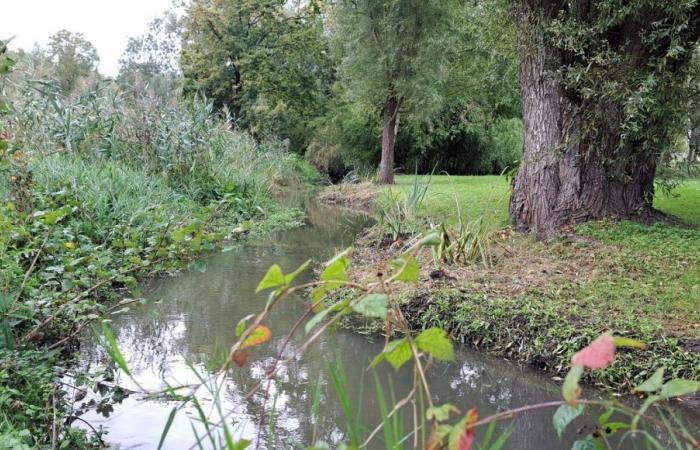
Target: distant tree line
{"x":585,"y":98}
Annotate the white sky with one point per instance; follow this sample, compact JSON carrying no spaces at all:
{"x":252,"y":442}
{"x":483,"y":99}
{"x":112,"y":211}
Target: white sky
{"x":106,"y":23}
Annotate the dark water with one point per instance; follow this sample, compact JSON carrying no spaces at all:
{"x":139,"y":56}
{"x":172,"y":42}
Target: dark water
{"x":193,"y":316}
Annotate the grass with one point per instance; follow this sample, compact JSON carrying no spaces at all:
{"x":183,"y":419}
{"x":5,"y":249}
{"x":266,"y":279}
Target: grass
{"x":684,"y":202}
{"x":477,"y":195}
{"x":488,"y":196}
{"x":542,"y":302}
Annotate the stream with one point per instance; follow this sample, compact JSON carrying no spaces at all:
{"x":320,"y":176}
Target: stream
{"x":192,"y":317}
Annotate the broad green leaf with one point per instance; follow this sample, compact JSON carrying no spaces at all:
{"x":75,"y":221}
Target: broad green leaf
{"x":571,"y":389}
{"x":679,"y":387}
{"x":372,"y":305}
{"x":336,"y":270}
{"x":318,"y":293}
{"x":654,"y":382}
{"x":564,"y":415}
{"x":441,"y":413}
{"x":436,"y":343}
{"x":407,"y":269}
{"x":590,"y":443}
{"x":272,"y":279}
{"x":292,"y":276}
{"x":397,"y":353}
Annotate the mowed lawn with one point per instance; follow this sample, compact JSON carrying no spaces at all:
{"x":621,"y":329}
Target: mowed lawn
{"x":648,"y":274}
{"x":488,"y":196}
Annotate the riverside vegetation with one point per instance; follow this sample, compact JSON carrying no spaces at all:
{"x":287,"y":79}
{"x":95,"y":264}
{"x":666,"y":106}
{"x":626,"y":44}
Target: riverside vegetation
{"x":100,"y":189}
{"x":589,"y":110}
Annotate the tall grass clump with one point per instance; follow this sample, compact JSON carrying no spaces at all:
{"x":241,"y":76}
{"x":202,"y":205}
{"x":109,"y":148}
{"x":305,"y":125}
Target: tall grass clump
{"x":183,"y":140}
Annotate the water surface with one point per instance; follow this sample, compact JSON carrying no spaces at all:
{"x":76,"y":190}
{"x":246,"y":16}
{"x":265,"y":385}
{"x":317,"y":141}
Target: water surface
{"x":191,"y":318}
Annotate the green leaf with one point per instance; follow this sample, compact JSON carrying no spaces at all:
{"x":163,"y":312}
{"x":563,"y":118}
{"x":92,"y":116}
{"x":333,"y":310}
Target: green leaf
{"x":571,"y":389}
{"x":315,"y":320}
{"x":654,"y":382}
{"x":407,"y":269}
{"x":242,"y":444}
{"x":336,"y":270}
{"x":292,"y":276}
{"x":603,"y":419}
{"x":590,"y":443}
{"x":679,"y":387}
{"x":441,"y":413}
{"x":112,"y":348}
{"x":628,"y":343}
{"x":242,"y":324}
{"x":436,"y":343}
{"x":372,"y":305}
{"x":200,"y":266}
{"x":272,"y":279}
{"x":340,"y":306}
{"x":168,"y":424}
{"x":564,"y":415}
{"x":397,"y":353}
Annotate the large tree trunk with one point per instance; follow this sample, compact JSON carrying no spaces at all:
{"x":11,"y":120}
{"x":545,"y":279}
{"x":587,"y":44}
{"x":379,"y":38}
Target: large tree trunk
{"x":391,"y":123}
{"x":568,"y":175}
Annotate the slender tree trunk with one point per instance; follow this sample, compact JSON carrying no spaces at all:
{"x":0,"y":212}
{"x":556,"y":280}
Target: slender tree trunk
{"x":568,"y":176}
{"x":391,"y":124}
{"x":693,"y":144}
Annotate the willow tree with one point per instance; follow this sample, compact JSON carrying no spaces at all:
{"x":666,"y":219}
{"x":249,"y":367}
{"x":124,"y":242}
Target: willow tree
{"x":394,"y":56}
{"x":602,"y":92}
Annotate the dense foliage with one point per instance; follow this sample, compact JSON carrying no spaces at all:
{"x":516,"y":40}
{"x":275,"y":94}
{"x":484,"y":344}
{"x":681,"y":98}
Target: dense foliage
{"x":100,"y":187}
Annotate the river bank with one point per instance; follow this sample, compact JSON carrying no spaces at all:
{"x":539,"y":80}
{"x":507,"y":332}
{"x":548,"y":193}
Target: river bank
{"x":78,"y":237}
{"x":539,"y":302}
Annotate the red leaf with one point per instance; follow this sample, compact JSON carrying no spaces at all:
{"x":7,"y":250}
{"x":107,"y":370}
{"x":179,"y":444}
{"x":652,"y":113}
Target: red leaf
{"x":598,"y":355}
{"x":240,"y":357}
{"x":466,"y":438}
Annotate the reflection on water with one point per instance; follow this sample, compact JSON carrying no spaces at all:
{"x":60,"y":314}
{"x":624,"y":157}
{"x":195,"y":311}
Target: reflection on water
{"x":192,"y":317}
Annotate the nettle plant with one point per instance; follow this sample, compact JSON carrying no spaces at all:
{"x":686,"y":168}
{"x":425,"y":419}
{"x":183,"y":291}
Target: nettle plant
{"x":447,"y":427}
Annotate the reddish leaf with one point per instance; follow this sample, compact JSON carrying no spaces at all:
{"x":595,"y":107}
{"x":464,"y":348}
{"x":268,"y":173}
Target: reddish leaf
{"x":466,"y":437}
{"x":240,"y":357}
{"x":598,"y":355}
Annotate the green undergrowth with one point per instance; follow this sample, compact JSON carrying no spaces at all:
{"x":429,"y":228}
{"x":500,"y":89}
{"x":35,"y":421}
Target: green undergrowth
{"x":74,"y":246}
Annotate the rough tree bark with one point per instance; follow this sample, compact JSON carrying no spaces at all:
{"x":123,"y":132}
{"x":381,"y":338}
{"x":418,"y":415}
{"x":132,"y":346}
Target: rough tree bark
{"x":568,"y":175}
{"x":391,"y":123}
